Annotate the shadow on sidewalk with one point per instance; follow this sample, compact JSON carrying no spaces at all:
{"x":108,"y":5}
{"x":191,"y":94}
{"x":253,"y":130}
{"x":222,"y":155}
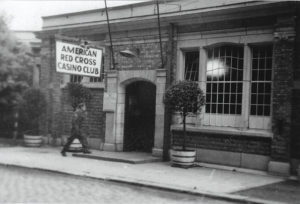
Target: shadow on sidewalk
{"x":286,"y":191}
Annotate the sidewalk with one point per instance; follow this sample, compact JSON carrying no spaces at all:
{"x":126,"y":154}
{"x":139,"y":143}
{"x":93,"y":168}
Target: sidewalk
{"x":220,"y":184}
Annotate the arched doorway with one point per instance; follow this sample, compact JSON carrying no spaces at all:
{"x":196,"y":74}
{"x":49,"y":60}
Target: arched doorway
{"x":139,"y":116}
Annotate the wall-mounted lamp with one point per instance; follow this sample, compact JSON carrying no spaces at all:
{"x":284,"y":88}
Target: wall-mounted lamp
{"x":130,"y":53}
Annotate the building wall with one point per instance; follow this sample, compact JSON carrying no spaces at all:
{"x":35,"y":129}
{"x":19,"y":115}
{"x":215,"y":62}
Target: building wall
{"x":94,"y":125}
{"x":283,"y":142}
{"x":295,"y":129}
{"x":276,"y":147}
{"x":225,"y":142}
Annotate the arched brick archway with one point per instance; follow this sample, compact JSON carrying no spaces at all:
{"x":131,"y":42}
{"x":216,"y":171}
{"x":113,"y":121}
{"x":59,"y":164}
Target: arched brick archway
{"x":114,"y":105}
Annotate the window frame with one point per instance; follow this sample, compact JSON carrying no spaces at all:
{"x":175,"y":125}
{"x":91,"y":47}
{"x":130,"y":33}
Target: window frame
{"x":264,"y":122}
{"x":245,"y":121}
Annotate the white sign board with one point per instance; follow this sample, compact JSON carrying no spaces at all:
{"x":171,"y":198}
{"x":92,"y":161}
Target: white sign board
{"x":73,"y":59}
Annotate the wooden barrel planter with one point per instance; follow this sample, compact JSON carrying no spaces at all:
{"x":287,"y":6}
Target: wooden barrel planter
{"x":75,"y":146}
{"x":185,"y":159}
{"x":33,"y":140}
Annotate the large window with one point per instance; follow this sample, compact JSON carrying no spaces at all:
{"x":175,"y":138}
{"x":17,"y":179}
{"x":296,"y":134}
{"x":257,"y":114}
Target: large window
{"x":224,"y":76}
{"x":237,"y":80}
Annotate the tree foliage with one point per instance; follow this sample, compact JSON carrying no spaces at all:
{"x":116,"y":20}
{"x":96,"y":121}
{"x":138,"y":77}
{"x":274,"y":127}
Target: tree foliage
{"x":15,"y":75}
{"x":32,"y":109}
{"x":16,"y":66}
{"x":184,"y":97}
{"x":77,"y":94}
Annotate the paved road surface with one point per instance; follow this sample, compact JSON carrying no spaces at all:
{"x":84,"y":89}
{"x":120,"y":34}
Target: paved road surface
{"x":21,"y":185}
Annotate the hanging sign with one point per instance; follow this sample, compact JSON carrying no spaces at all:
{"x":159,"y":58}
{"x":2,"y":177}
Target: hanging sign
{"x":73,"y":59}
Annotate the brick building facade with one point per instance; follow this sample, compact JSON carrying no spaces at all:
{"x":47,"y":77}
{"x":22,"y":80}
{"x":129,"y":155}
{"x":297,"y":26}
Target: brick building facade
{"x":242,"y":54}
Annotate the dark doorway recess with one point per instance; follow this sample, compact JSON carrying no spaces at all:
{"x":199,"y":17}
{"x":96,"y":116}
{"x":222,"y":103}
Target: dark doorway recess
{"x":139,"y":116}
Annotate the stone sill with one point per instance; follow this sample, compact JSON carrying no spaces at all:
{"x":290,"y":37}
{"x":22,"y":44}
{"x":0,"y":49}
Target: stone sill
{"x":225,"y":131}
{"x":98,"y":85}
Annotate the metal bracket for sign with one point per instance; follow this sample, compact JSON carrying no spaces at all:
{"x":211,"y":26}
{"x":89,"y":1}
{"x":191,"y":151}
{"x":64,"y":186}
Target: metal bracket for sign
{"x":109,"y":32}
{"x":159,"y":34}
{"x":76,"y":41}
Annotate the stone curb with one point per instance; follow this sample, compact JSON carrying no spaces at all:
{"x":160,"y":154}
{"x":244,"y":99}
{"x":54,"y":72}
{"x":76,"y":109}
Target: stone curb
{"x":219,"y":196}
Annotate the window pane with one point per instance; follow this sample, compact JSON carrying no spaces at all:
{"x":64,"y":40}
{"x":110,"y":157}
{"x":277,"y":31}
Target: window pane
{"x":253,"y":98}
{"x":214,"y":98}
{"x":254,"y":75}
{"x":261,"y":75}
{"x":254,"y":87}
{"x":233,"y":88}
{"x":226,"y":109}
{"x":261,"y":88}
{"x":226,"y":98}
{"x":239,"y":109}
{"x":208,"y":87}
{"x":215,"y":87}
{"x":207,"y":107}
{"x":208,"y":98}
{"x":240,"y":88}
{"x":267,"y":110}
{"x":269,"y":63}
{"x":239,"y":98}
{"x":253,"y":110}
{"x":260,"y":110}
{"x":213,"y":108}
{"x":268,"y":75}
{"x":260,"y":99}
{"x":220,"y":108}
{"x":268,"y":87}
{"x":255,"y":64}
{"x":268,"y":99}
{"x":220,"y":98}
{"x":232,"y":109}
{"x":191,"y":66}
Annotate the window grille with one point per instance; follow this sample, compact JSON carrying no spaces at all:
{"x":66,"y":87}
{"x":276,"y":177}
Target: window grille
{"x":224,"y":76}
{"x":261,"y":80}
{"x":96,"y":79}
{"x":191,"y":72}
{"x":76,"y":78}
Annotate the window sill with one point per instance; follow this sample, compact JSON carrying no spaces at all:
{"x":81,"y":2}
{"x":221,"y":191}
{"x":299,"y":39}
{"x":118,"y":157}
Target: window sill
{"x":225,"y":131}
{"x":98,"y":85}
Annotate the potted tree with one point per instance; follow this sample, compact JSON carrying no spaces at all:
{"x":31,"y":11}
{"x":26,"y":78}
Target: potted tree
{"x":32,"y":110}
{"x":184,"y":97}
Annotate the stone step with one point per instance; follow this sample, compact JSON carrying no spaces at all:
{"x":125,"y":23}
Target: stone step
{"x":125,"y":157}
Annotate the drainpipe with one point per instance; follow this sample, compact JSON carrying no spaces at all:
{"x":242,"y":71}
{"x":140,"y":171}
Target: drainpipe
{"x":168,"y":115}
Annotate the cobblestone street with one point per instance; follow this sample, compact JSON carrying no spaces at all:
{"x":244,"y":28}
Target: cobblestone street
{"x":21,"y":185}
